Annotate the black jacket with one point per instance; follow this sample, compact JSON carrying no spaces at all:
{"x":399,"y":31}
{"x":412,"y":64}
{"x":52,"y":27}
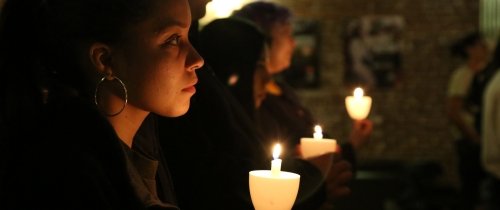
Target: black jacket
{"x":69,"y":157}
{"x":284,"y":117}
{"x":216,"y":146}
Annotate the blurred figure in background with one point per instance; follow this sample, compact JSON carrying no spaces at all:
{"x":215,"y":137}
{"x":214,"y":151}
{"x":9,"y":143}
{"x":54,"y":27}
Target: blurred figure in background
{"x":491,"y":140}
{"x":474,"y":52}
{"x":282,"y":115}
{"x":238,"y":55}
{"x":218,"y":139}
{"x":478,"y":85}
{"x":489,"y":81}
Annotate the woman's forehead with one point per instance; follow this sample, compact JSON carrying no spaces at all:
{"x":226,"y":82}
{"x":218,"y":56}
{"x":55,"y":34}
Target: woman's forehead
{"x":165,"y":15}
{"x":171,"y":12}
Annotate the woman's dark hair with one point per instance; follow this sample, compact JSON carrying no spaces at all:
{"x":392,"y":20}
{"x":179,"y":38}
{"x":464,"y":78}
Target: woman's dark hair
{"x":459,"y":48}
{"x":41,"y":43}
{"x":265,"y":14}
{"x":233,"y":46}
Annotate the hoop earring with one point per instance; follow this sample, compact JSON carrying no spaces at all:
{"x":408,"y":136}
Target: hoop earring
{"x":110,"y":78}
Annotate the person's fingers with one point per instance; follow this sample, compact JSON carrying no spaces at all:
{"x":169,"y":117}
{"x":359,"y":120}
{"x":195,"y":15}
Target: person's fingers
{"x":337,"y":180}
{"x":368,"y":126}
{"x":343,"y":178}
{"x":322,"y":162}
{"x":340,"y":179}
{"x":340,"y":174}
{"x":361,"y":133}
{"x":338,"y":186}
{"x":337,"y":156}
{"x":298,"y":150}
{"x":363,"y":125}
{"x":340,"y":166}
{"x":340,"y":192}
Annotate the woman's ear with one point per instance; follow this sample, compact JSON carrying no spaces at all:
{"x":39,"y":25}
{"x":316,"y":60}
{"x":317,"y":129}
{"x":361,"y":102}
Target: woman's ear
{"x":100,"y":56}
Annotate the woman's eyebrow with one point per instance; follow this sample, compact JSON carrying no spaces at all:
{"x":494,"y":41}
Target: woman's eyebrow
{"x":165,"y":25}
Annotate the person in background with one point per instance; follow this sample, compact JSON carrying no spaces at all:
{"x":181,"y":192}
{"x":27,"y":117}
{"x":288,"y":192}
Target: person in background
{"x":282,"y":115}
{"x":490,"y":127}
{"x":472,"y":49}
{"x":491,"y":141}
{"x":218,"y":140}
{"x":198,"y":11}
{"x":478,"y":85}
{"x":237,"y":52}
{"x":79,"y":78}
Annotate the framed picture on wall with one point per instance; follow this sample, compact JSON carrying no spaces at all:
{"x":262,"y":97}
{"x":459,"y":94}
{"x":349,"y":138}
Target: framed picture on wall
{"x":372,"y":50}
{"x":304,"y":69}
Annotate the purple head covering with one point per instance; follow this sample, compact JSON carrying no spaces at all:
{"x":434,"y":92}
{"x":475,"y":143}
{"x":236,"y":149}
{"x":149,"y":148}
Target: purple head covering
{"x":265,"y":14}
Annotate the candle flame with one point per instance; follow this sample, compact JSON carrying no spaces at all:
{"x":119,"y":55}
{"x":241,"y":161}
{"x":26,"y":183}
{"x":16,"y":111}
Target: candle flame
{"x":358,"y":93}
{"x":317,"y":129}
{"x":318,"y":132}
{"x":276,"y":151}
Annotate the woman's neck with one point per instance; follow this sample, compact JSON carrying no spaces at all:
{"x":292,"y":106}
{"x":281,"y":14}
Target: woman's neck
{"x":127,"y":122}
{"x":273,"y":88}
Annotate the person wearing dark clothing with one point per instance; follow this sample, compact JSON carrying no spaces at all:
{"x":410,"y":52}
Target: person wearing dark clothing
{"x":218,"y":140}
{"x":479,"y":82}
{"x":211,"y":161}
{"x":236,"y":51}
{"x":483,"y":96}
{"x":147,"y":147}
{"x":81,"y":167}
{"x":282,"y":115}
{"x":472,"y":49}
{"x":79,"y":78}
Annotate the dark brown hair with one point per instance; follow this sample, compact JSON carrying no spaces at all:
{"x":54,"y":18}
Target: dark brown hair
{"x":41,"y":42}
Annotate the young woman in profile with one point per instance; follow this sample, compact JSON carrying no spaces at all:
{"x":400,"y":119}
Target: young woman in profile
{"x":79,"y":78}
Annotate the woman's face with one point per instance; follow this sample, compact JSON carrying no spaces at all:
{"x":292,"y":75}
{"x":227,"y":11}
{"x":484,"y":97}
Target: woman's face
{"x":157,"y":62}
{"x":478,"y":50}
{"x":281,"y":48}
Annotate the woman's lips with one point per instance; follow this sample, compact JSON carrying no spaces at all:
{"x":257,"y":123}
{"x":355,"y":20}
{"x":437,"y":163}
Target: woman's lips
{"x":190,"y":89}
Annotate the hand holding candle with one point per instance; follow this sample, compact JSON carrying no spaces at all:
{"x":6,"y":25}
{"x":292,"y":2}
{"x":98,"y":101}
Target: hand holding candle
{"x":358,"y":106}
{"x":312,"y":147}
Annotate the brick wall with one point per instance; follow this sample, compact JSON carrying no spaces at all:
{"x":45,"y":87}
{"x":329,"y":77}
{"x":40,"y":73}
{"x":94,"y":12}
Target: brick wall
{"x":410,"y":120}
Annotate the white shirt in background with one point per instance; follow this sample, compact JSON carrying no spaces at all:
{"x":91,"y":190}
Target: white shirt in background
{"x":491,"y":127}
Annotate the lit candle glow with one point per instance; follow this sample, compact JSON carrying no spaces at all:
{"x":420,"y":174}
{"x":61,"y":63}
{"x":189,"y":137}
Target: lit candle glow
{"x":358,"y":106}
{"x":312,"y":147}
{"x":276,"y":163}
{"x":221,"y":9}
{"x":358,"y":93}
{"x":273,"y":189}
{"x":318,"y":132}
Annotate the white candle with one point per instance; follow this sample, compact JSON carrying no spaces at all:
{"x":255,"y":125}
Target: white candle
{"x":270,"y":192}
{"x":273,"y":189}
{"x":312,"y":147}
{"x":276,"y":163}
{"x":358,"y":106}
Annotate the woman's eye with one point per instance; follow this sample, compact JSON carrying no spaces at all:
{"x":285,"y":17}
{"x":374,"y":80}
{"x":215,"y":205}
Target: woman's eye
{"x":173,"y":40}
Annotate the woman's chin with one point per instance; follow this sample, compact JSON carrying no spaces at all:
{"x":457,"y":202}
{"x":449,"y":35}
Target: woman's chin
{"x":177,"y":111}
